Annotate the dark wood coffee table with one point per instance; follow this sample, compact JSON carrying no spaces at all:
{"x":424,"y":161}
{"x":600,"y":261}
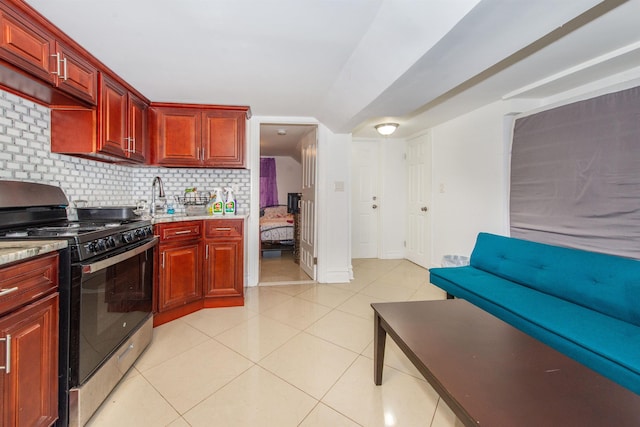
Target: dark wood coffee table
{"x":491,"y":374}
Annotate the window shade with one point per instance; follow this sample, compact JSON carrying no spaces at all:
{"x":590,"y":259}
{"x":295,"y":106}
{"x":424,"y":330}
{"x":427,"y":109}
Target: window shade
{"x":575,"y":175}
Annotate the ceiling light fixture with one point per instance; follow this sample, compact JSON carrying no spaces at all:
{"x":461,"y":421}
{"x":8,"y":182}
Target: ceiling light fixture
{"x":386,"y":129}
{"x":282,"y":131}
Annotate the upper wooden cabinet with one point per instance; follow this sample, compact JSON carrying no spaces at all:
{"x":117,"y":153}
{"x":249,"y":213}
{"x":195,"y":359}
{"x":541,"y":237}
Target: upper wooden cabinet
{"x":116,"y":130}
{"x":29,"y":47}
{"x":74,"y":74}
{"x":112,"y":137}
{"x":198,"y":135}
{"x":25,"y":45}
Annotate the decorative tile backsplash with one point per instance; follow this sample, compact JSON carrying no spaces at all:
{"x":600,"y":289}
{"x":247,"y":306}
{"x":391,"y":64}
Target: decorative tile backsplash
{"x":25,"y":155}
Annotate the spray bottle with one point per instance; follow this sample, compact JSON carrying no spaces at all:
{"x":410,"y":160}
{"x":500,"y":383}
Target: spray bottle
{"x":230,"y":204}
{"x":218,"y":202}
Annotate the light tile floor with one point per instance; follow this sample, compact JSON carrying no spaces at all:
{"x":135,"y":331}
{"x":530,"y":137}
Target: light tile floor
{"x":281,"y":269}
{"x":294,"y":355}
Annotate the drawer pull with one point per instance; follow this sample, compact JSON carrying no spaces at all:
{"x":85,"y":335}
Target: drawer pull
{"x":223,"y":228}
{"x":183,"y":232}
{"x":7,"y":353}
{"x":4,"y":292}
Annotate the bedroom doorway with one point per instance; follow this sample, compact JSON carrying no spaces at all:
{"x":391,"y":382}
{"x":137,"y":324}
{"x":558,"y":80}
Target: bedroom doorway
{"x":284,"y":218}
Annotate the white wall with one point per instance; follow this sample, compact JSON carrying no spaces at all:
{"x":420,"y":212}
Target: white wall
{"x":469,"y":179}
{"x":334,"y":228}
{"x":471,"y":156}
{"x":289,"y":177}
{"x":333,"y":207}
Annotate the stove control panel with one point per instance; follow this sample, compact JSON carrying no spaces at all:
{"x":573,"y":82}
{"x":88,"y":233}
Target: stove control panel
{"x":114,"y":241}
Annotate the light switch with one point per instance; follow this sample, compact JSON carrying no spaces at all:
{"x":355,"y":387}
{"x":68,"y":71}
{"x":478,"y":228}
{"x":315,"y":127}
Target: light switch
{"x":338,"y":186}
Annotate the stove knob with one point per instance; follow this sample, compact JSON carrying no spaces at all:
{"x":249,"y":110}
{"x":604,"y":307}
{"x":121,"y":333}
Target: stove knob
{"x":126,"y":237}
{"x":139,"y":233}
{"x":111,"y":242}
{"x":102,"y":245}
{"x":93,"y":247}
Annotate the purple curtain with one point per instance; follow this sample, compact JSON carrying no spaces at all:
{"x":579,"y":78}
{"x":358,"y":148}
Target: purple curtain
{"x":268,"y":184}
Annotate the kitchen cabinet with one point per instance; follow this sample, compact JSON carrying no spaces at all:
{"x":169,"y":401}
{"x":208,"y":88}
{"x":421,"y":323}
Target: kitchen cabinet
{"x":198,"y":135}
{"x":179,"y":280}
{"x":198,"y":268}
{"x":112,"y":136}
{"x":25,"y":45}
{"x":123,"y":121}
{"x":29,"y":304}
{"x":31,"y":48}
{"x":224,"y":260}
{"x":74,"y":74}
{"x":116,"y":130}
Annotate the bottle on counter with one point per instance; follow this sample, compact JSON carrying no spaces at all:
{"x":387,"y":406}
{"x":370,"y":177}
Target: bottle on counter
{"x":218,"y":202}
{"x":230,"y":203}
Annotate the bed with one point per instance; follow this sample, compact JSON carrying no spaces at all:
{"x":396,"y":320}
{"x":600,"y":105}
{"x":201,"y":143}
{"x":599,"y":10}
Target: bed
{"x":276,"y":228}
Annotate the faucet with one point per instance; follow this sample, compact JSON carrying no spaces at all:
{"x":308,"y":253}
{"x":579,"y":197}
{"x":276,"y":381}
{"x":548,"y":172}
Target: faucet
{"x":152,"y":208}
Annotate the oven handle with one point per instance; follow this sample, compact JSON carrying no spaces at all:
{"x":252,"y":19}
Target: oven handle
{"x":101,"y":265}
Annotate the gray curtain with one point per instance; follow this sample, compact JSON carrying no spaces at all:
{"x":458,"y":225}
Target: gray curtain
{"x":575,"y":175}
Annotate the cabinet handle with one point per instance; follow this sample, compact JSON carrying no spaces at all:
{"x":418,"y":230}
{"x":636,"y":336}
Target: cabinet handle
{"x":206,"y":252}
{"x":64,"y":66}
{"x":203,"y":154}
{"x":223,"y":228}
{"x":4,"y":292}
{"x":163,"y":260}
{"x":7,"y":354}
{"x":183,"y":232}
{"x":57,"y":56}
{"x":133,"y":145}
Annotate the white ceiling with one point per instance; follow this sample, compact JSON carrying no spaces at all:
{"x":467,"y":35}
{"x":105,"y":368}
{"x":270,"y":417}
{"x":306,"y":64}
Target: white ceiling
{"x":354,"y":63}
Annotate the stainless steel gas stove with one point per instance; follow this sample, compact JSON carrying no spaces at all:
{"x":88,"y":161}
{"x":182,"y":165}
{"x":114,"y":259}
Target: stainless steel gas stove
{"x":105,"y":291}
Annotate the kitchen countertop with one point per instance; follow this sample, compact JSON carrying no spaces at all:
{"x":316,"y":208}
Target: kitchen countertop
{"x":182,"y":217}
{"x":17,"y":250}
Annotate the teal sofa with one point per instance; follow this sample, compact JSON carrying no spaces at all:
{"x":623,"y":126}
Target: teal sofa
{"x":584,"y":304}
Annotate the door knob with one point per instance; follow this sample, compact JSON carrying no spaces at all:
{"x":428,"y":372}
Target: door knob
{"x":424,"y":209}
{"x":374,"y":206}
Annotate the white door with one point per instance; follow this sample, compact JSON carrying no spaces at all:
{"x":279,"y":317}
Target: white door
{"x":418,"y":237}
{"x":308,"y":205}
{"x":365,"y":200}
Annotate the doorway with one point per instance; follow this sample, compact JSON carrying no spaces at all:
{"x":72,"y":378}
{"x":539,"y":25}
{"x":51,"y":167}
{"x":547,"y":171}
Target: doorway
{"x":287,"y":219}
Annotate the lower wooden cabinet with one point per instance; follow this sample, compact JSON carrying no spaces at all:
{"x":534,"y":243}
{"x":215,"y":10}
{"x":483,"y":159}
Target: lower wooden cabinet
{"x":199,"y":264}
{"x":180,"y":274}
{"x":224,"y":261}
{"x":29,"y":345}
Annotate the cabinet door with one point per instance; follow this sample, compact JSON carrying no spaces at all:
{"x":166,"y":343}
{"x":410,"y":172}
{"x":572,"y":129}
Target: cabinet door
{"x":137,"y":128}
{"x":178,"y":138}
{"x":113,"y":107}
{"x":224,"y":268}
{"x":25,"y":45}
{"x":223,"y":138}
{"x":30,"y":387}
{"x":180,"y":275}
{"x":75,"y":75}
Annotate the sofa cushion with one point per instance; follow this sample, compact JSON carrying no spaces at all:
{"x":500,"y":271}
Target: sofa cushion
{"x":605,"y":283}
{"x":607,"y":345}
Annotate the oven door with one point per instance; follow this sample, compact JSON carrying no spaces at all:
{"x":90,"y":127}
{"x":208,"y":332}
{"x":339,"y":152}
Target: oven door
{"x":111,"y":297}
